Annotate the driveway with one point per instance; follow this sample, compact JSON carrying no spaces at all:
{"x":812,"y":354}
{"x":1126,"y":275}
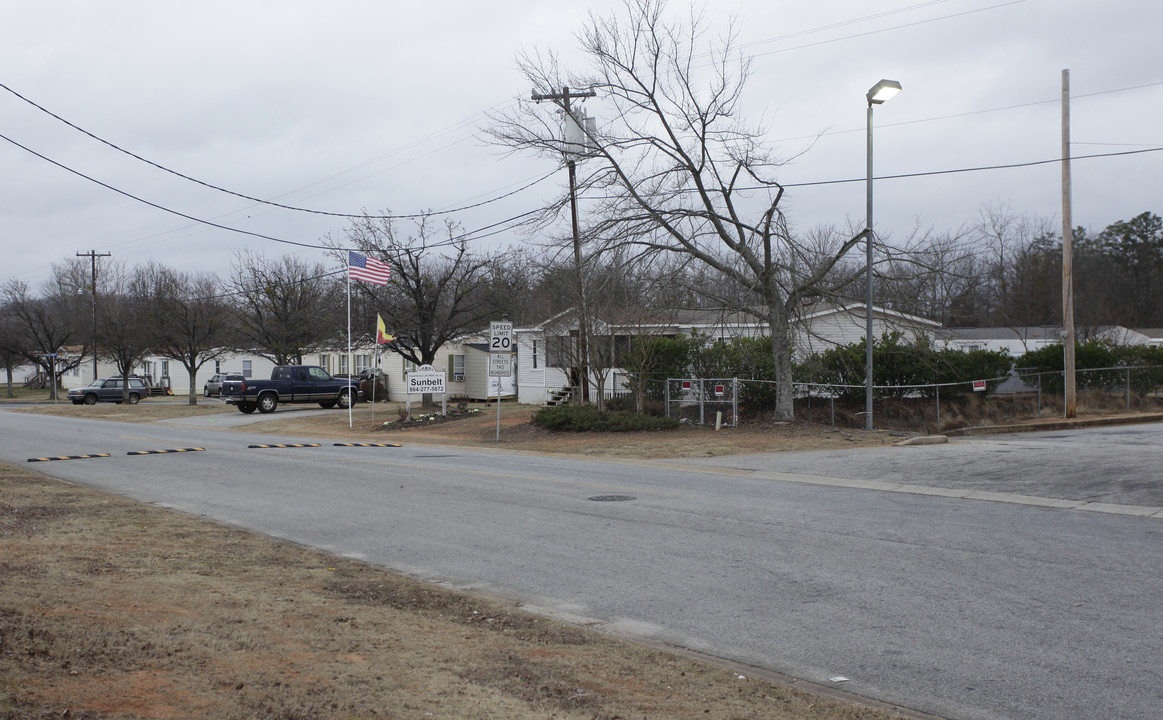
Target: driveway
{"x":1121,"y":465}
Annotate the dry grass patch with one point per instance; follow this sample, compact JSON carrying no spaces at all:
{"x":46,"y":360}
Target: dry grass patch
{"x":145,"y":411}
{"x":518,"y":433}
{"x":115,"y":609}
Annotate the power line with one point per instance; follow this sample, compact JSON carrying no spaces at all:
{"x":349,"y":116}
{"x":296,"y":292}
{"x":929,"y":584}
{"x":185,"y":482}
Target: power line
{"x":260,"y":201}
{"x":981,"y":168}
{"x":842,"y":23}
{"x":971,"y":113}
{"x":163,"y":208}
{"x":895,"y":27}
{"x":927,"y":173}
{"x":470,"y":235}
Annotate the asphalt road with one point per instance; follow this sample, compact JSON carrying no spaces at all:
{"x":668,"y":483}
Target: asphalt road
{"x":1117,"y":465}
{"x":959,"y":607}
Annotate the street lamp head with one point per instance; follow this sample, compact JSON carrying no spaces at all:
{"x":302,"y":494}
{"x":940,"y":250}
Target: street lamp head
{"x":882,"y":91}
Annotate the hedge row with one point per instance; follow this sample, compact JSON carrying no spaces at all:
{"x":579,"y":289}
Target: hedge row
{"x":588,"y":418}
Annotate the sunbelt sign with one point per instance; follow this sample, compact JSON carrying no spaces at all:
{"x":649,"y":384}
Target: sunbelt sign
{"x":426,"y":379}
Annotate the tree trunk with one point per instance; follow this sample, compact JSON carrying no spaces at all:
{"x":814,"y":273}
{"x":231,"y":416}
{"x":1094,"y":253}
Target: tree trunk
{"x":781,"y":351}
{"x":193,"y":386}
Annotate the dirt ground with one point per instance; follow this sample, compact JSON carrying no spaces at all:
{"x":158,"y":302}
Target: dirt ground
{"x":518,"y":433}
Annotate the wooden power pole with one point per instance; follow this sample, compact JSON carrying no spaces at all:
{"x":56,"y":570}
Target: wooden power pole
{"x":562,"y":99}
{"x":1070,"y":395}
{"x":93,"y":255}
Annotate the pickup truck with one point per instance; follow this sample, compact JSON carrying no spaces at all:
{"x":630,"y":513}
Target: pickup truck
{"x":291,"y":384}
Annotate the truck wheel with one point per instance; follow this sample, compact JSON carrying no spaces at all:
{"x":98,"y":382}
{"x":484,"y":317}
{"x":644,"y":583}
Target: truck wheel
{"x":246,"y":407}
{"x":91,"y":399}
{"x":268,"y":402}
{"x":327,"y":404}
{"x":344,"y":400}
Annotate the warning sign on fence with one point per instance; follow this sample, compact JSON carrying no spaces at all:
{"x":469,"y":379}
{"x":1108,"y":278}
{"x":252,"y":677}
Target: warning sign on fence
{"x":978,"y":386}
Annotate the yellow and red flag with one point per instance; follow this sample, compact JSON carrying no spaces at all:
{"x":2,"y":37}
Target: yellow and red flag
{"x":382,"y":335}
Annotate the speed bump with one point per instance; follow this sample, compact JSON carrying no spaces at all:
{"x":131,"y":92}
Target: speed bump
{"x":67,"y":457}
{"x":159,"y":452}
{"x":287,"y":445}
{"x":367,"y":445}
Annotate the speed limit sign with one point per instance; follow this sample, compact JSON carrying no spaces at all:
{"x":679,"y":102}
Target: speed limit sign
{"x":500,"y":336}
{"x":500,"y":349}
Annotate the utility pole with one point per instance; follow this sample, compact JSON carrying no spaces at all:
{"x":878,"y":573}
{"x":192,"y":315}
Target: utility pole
{"x":93,"y":255}
{"x":562,"y":99}
{"x":1070,"y":396}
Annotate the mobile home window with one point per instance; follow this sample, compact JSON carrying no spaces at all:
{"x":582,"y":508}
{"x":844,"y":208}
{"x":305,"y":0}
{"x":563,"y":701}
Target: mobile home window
{"x":456,"y":368}
{"x":247,"y":371}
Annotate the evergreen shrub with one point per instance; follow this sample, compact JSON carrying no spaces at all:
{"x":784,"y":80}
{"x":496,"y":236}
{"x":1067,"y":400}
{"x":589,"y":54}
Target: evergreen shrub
{"x":588,"y":418}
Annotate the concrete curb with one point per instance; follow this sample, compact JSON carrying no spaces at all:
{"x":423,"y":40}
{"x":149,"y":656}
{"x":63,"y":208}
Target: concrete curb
{"x":924,"y":440}
{"x":1063,"y":424}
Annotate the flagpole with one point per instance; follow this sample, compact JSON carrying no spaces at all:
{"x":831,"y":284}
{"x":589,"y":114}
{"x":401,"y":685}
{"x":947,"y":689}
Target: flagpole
{"x":350,"y":397}
{"x":375,"y":377}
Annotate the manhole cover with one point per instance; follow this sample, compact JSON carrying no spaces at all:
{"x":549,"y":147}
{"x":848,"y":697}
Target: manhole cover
{"x":612,"y":498}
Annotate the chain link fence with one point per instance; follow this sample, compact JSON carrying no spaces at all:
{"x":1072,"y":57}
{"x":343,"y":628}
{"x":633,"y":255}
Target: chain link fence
{"x":1019,"y":396}
{"x":703,"y":400}
{"x":926,"y":408}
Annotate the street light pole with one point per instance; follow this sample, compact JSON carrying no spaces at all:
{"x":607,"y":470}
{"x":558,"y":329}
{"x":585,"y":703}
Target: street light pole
{"x":877,"y":95}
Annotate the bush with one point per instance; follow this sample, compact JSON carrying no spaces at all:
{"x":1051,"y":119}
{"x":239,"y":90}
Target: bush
{"x":1091,"y":362}
{"x":744,"y":357}
{"x":620,"y":404}
{"x":588,"y":418}
{"x":901,"y":363}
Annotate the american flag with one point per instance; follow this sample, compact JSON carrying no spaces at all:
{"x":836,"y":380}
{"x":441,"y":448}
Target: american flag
{"x":362,"y":267}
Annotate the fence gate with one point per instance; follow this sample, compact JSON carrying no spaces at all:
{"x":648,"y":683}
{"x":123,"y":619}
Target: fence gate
{"x":700,"y":400}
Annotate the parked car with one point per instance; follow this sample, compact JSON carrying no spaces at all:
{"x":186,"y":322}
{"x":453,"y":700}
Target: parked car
{"x":291,"y":384}
{"x":110,"y":390}
{"x":213,"y":386}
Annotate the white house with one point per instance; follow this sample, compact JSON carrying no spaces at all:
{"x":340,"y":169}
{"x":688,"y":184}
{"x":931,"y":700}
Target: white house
{"x":1018,"y":341}
{"x":544,"y":350}
{"x":465,"y":363}
{"x":171,"y":373}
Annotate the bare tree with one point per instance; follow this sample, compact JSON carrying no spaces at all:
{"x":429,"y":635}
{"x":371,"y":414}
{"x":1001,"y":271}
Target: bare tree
{"x":439,"y":289}
{"x":10,"y":346}
{"x":284,"y":307}
{"x":678,"y":170}
{"x":188,"y":317}
{"x":45,"y":325}
{"x":123,"y":327}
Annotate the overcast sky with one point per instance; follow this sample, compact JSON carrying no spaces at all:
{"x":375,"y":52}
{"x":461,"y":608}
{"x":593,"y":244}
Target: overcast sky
{"x":353,"y":105}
